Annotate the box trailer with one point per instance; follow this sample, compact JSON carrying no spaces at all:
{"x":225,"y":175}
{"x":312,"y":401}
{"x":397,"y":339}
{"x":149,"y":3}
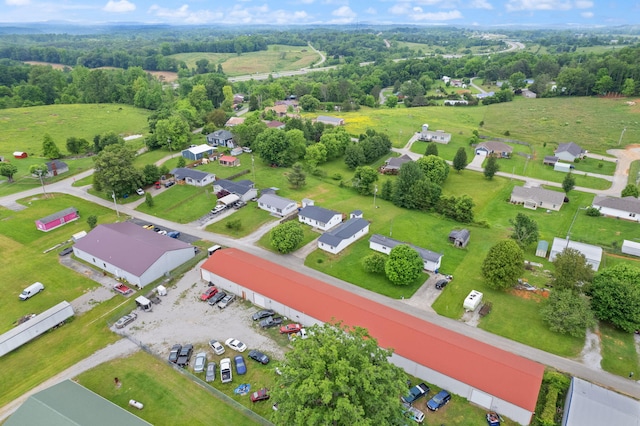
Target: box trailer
{"x":472,"y":301}
{"x":36,"y":326}
{"x":144,"y":303}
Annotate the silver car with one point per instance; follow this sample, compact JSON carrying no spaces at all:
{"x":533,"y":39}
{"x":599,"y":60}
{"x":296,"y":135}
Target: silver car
{"x":201,"y":361}
{"x":126,"y":320}
{"x":211,"y":372}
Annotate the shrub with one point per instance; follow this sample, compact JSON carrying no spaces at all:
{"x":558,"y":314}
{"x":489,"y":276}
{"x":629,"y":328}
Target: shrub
{"x":593,"y":212}
{"x":374,"y":263}
{"x":336,"y":176}
{"x":507,"y":133}
{"x":234,"y":224}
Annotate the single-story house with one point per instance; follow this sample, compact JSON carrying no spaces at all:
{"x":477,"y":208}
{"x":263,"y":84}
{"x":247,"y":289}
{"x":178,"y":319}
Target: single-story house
{"x":332,"y":121}
{"x":130,"y":252}
{"x":631,"y":247}
{"x":229,"y":161}
{"x":234,"y":121}
{"x":563,"y":167}
{"x":319,"y":217}
{"x":529,"y":94}
{"x":439,"y":136}
{"x":195,"y":153}
{"x":588,"y":404}
{"x":20,"y":154}
{"x":382,"y":244}
{"x":550,"y":160}
{"x":70,"y":404}
{"x":454,"y":102}
{"x":592,"y":253}
{"x":485,"y":95}
{"x":498,"y":149}
{"x":345,"y":234}
{"x":542,"y":248}
{"x":459,"y":237}
{"x":277,"y":205}
{"x":193,"y":177}
{"x":56,"y":167}
{"x":460,"y":364}
{"x":221,"y":138}
{"x":280,"y":110}
{"x":58,"y":219}
{"x":393,"y":164}
{"x":569,"y":151}
{"x":622,"y":208}
{"x":276,"y":124}
{"x":245,"y":189}
{"x":532,"y":198}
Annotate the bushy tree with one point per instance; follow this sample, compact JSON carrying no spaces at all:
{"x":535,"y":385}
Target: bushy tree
{"x":150,"y":174}
{"x":410,"y":173}
{"x":525,"y":230}
{"x":568,"y":183}
{"x":503,"y":265}
{"x":434,"y":168}
{"x":425,"y":194}
{"x":315,"y":154}
{"x":92,"y":221}
{"x":567,"y":313}
{"x":8,"y":170}
{"x":309,"y":103}
{"x":148,"y":200}
{"x":391,"y":101}
{"x":460,"y":159}
{"x":432,"y":149}
{"x":181,"y":162}
{"x":374,"y":145}
{"x":296,"y":177}
{"x":354,"y":156}
{"x":49,"y":148}
{"x":280,"y":148}
{"x":572,"y":272}
{"x":404,"y":265}
{"x":364,"y":178}
{"x":286,"y":237}
{"x":114,"y":170}
{"x":77,"y":145}
{"x":615,"y":296}
{"x":338,"y":376}
{"x":491,"y":167}
{"x":40,"y":171}
{"x":374,"y":263}
{"x":100,"y":142}
{"x":631,"y":190}
{"x":387,"y":190}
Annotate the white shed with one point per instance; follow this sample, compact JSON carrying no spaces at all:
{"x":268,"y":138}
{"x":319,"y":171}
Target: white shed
{"x":562,"y":167}
{"x":631,"y":247}
{"x":472,"y":301}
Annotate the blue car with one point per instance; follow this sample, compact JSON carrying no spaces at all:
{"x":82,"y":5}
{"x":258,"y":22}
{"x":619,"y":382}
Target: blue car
{"x":241,"y":368}
{"x":441,"y":398}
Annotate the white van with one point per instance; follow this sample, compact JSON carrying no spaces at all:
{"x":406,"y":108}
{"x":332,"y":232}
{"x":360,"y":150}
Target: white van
{"x":33,"y":289}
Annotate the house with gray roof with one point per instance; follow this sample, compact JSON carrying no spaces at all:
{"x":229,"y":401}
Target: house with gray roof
{"x":244,"y":189}
{"x":56,"y":167}
{"x":277,"y":205}
{"x":459,"y":237}
{"x":193,"y":177}
{"x":319,"y":217}
{"x":592,"y":253}
{"x":532,"y":198}
{"x":569,"y":151}
{"x":622,"y":208}
{"x":495,"y":148}
{"x":382,"y":244}
{"x":130,"y":252}
{"x":332,"y":121}
{"x":221,"y":138}
{"x":342,"y":236}
{"x":393,"y":164}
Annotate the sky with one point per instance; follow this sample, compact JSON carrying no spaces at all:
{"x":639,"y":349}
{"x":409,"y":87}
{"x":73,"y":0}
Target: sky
{"x":483,"y":13}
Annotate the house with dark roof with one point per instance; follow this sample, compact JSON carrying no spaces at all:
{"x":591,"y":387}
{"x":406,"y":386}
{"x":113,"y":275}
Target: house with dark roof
{"x":622,"y":208}
{"x":319,"y":217}
{"x":56,"y":167}
{"x":550,"y":160}
{"x":495,"y":148}
{"x":593,"y":254}
{"x":532,"y":198}
{"x":193,"y":177}
{"x":199,"y":152}
{"x":130,"y":252}
{"x":277,"y":205}
{"x":393,"y":164}
{"x":569,"y":151}
{"x":221,"y":138}
{"x":71,"y":404}
{"x":331,"y":121}
{"x":488,"y":376}
{"x":57,"y":219}
{"x":343,"y":235}
{"x":244,"y":189}
{"x":382,"y":244}
{"x":459,"y":237}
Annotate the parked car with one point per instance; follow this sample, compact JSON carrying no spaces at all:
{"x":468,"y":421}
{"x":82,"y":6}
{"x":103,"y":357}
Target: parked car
{"x":173,"y":234}
{"x":413,"y":413}
{"x":226,"y":301}
{"x":260,"y":395}
{"x":246,"y":149}
{"x":162,"y":232}
{"x":149,"y":226}
{"x":440,"y":399}
{"x":262,"y":314}
{"x":210,"y":375}
{"x":66,"y":251}
{"x":235,"y":344}
{"x":271,"y":322}
{"x":209,"y":293}
{"x":218,"y":297}
{"x":185,"y":355}
{"x":216,"y":347}
{"x":126,"y":320}
{"x":442,"y":284}
{"x":302,"y":334}
{"x":416,"y":392}
{"x":217,"y":209}
{"x":290,"y":328}
{"x":259,"y":356}
{"x":140,"y":191}
{"x":157,"y":185}
{"x":239,"y":204}
{"x":241,"y":367}
{"x":200,"y":362}
{"x":169,"y":183}
{"x":174,"y":353}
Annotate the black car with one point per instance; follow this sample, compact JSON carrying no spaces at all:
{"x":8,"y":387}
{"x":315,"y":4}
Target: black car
{"x":175,"y":351}
{"x":169,"y":183}
{"x":185,"y":355}
{"x":259,"y":356}
{"x":217,"y":297}
{"x":271,"y":322}
{"x":66,"y":251}
{"x":442,"y":284}
{"x":262,"y":314}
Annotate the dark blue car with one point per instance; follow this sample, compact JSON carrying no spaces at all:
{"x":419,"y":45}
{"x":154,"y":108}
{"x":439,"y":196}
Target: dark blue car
{"x":241,"y":368}
{"x":441,"y":398}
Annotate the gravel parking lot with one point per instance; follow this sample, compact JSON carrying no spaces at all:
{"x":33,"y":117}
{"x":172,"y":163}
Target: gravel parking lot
{"x":182,"y":318}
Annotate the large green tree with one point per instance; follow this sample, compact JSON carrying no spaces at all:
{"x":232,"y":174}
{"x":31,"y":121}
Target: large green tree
{"x":432,"y":149}
{"x":525,"y":230}
{"x":460,"y":159}
{"x":503,"y":265}
{"x":404,"y":265}
{"x":354,"y":156}
{"x":287,"y":236}
{"x":315,"y":154}
{"x":8,"y":170}
{"x":572,"y":272}
{"x":114,"y":170}
{"x":410,"y":173}
{"x":339,"y":376}
{"x":434,"y":168}
{"x":568,"y":313}
{"x":309,"y":103}
{"x":364,"y":178}
{"x":49,"y":148}
{"x":631,"y":190}
{"x":77,"y":145}
{"x":40,"y":171}
{"x":280,"y":148}
{"x":106,"y":139}
{"x":173,"y":132}
{"x":425,"y":194}
{"x":491,"y":167}
{"x":296,"y":177}
{"x":568,"y":183}
{"x":615,"y":296}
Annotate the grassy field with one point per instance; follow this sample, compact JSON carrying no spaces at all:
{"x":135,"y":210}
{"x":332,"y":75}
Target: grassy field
{"x":276,"y":58}
{"x":251,"y":218}
{"x":619,"y":355}
{"x":308,"y":236}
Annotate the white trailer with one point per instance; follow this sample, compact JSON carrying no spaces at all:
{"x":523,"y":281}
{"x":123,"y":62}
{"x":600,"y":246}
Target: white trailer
{"x":472,"y":301}
{"x":36,"y":326}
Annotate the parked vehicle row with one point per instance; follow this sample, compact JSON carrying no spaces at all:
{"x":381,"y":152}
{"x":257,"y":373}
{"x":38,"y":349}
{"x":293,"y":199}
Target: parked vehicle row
{"x":160,"y":231}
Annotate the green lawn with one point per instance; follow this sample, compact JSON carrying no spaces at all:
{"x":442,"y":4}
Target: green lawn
{"x":181,"y":203}
{"x":619,"y":355}
{"x":251,"y":218}
{"x":308,"y":236}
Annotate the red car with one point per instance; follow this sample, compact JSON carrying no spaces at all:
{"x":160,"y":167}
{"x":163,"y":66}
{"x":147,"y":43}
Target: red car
{"x":260,"y":395}
{"x":290,"y":328}
{"x":211,"y":291}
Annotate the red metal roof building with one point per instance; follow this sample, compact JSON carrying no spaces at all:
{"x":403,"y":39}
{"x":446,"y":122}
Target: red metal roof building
{"x":489,"y":376}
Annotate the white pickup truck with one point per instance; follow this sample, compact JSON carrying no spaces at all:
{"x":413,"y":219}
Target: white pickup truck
{"x":225,"y":370}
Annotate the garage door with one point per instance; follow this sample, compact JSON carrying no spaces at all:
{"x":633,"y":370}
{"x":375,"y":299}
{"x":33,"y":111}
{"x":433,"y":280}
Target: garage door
{"x":258,"y":300}
{"x":481,"y":152}
{"x":480,"y":398}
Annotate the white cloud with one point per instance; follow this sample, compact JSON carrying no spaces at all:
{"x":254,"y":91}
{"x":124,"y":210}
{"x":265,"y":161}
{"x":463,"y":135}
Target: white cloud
{"x":344,"y":12}
{"x":436,"y":16}
{"x":584,"y":4}
{"x":17,"y":2}
{"x":119,"y":6}
{"x":480,"y":4}
{"x":587,"y":15}
{"x":304,"y":1}
{"x":371,"y":11}
{"x":236,"y":15}
{"x":399,"y":9}
{"x":532,"y":5}
{"x":335,"y":1}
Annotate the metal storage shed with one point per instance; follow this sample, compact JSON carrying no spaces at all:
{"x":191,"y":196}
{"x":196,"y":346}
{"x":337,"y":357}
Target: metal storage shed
{"x":562,"y":167}
{"x":630,"y":247}
{"x":543,"y":247}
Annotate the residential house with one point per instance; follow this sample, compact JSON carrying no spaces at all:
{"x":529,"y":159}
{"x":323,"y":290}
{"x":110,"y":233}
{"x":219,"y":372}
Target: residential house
{"x":459,"y":238}
{"x":58,"y":219}
{"x":331,"y":121}
{"x":319,"y":217}
{"x":495,"y":148}
{"x":569,"y":152}
{"x":275,"y":124}
{"x":454,"y":102}
{"x":229,"y":161}
{"x":277,"y":205}
{"x":56,"y":167}
{"x":132,"y":253}
{"x":192,"y":177}
{"x":288,"y":103}
{"x":622,"y":208}
{"x":234,"y":121}
{"x":280,"y":110}
{"x":393,"y":164}
{"x":434,"y":136}
{"x":532,"y":198}
{"x":485,"y":95}
{"x":199,"y":152}
{"x":486,"y":375}
{"x":345,"y":234}
{"x":221,"y":138}
{"x":592,"y":253}
{"x":382,"y":244}
{"x":631,"y":247}
{"x":244,"y":189}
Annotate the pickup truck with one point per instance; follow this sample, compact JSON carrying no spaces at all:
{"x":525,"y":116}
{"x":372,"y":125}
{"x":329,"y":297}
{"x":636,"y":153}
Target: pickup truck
{"x":225,"y":370}
{"x":416,"y":392}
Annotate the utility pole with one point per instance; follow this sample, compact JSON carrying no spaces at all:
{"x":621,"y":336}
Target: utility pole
{"x":621,"y":134}
{"x":253,"y":167}
{"x":113,"y":194}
